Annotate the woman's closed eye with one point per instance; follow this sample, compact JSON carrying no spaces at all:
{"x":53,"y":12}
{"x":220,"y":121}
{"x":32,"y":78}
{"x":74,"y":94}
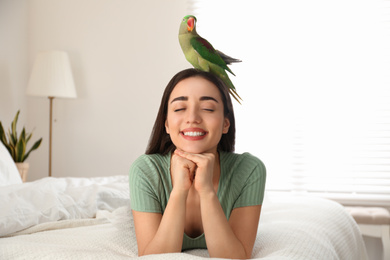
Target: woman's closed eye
{"x":209,"y":107}
{"x":179,"y":109}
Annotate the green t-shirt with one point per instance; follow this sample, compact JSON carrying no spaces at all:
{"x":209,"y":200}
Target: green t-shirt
{"x":241,"y":184}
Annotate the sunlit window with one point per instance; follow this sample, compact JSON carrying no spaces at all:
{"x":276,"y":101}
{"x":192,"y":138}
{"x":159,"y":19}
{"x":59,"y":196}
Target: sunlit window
{"x":315,"y":83}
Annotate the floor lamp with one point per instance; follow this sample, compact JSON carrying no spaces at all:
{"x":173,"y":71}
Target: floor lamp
{"x":51,"y":77}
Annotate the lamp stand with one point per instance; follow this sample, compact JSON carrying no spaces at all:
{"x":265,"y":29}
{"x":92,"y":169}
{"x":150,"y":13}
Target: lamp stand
{"x":50,"y":132}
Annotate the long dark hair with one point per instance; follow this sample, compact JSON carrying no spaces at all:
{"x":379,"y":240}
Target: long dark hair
{"x":160,"y":142}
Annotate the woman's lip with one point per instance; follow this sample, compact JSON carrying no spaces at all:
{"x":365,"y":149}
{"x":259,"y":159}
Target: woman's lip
{"x":193,"y":134}
{"x":194,"y":129}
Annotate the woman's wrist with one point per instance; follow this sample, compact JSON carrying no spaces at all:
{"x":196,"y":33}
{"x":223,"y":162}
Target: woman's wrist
{"x":207,"y":194}
{"x":179,"y":192}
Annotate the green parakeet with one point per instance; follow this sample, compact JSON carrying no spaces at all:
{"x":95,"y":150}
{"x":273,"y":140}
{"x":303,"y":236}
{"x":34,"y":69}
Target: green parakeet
{"x":201,"y":54}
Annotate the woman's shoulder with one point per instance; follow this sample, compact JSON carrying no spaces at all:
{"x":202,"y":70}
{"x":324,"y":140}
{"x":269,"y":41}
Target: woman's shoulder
{"x":244,"y":159}
{"x":151,"y":161}
{"x":156,"y":157}
{"x":245,"y":163}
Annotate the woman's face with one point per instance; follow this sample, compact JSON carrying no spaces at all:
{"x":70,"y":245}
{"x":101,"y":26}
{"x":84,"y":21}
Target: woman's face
{"x":195,"y":119}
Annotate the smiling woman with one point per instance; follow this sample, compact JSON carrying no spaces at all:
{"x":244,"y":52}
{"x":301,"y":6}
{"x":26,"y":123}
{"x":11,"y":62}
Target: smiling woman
{"x":190,"y":190}
{"x":160,"y":141}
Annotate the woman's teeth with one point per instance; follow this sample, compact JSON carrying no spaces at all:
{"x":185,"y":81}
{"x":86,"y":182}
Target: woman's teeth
{"x":193,"y":133}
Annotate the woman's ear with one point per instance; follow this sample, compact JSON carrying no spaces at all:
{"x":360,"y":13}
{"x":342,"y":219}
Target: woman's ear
{"x":166,"y":126}
{"x":226,"y":125}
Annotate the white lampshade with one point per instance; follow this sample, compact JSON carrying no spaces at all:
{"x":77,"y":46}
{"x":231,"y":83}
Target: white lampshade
{"x":51,"y":76}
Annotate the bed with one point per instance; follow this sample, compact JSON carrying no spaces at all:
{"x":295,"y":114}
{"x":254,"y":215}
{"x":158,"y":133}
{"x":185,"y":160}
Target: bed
{"x":90,"y":218}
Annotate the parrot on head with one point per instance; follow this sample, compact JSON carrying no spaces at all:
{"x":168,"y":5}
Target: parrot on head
{"x":202,"y":55}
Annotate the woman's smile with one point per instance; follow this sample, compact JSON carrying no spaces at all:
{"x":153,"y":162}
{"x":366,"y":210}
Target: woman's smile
{"x":193,"y":134}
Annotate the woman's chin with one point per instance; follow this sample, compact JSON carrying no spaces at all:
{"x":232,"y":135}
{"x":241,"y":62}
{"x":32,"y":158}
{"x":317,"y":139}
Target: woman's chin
{"x":196,"y":150}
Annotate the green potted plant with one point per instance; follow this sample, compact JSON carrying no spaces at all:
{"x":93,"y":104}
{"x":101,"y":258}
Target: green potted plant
{"x":17,"y":146}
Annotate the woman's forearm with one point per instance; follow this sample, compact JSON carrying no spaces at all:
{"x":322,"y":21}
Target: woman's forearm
{"x":169,"y":236}
{"x":220,"y":238}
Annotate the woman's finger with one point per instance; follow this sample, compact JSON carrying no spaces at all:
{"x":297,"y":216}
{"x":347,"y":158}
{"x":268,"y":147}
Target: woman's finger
{"x":196,"y":158}
{"x":203,"y":162}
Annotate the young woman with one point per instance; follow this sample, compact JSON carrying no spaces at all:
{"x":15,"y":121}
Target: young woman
{"x":190,"y":190}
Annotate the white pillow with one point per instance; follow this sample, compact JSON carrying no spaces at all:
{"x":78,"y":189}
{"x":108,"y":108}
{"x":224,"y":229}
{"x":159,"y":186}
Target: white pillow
{"x":9,"y":174}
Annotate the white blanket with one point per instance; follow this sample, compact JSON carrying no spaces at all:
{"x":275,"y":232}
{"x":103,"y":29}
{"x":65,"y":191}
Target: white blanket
{"x":290,"y":228}
{"x":51,"y":199}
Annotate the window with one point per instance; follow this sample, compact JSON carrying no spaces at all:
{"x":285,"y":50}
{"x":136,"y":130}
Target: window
{"x":315,"y":83}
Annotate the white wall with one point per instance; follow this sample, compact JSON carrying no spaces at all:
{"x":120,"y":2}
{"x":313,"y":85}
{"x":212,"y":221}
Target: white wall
{"x":123,"y":53}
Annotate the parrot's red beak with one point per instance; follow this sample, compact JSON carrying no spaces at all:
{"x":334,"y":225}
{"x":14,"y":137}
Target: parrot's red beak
{"x":190,"y":24}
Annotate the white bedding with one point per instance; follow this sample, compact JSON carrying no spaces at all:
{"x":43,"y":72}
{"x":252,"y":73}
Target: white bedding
{"x":51,"y":199}
{"x":75,"y":218}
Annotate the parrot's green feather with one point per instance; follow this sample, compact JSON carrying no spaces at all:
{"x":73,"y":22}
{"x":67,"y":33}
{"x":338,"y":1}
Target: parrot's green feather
{"x":207,"y":52}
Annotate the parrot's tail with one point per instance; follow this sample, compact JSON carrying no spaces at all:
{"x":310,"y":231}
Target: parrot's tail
{"x":226,"y":58}
{"x":235,"y":95}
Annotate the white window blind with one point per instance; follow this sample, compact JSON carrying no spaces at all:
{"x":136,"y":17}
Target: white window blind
{"x":315,"y":83}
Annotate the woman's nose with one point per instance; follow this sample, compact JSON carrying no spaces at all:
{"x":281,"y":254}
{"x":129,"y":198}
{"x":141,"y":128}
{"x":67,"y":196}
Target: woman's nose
{"x":193,"y":116}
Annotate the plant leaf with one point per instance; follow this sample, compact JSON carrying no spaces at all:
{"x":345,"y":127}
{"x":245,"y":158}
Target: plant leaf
{"x":28,"y":137}
{"x":11,"y":150}
{"x":13,"y":128}
{"x":23,"y":135}
{"x":11,"y":145}
{"x":12,"y":140}
{"x":35,"y":146}
{"x":17,"y":146}
{"x":20,"y":150}
{"x":3,"y":138}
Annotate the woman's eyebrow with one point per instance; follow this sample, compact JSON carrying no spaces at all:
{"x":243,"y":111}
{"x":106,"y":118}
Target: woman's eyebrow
{"x":181,"y":98}
{"x":208,"y":98}
{"x":203,"y":98}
